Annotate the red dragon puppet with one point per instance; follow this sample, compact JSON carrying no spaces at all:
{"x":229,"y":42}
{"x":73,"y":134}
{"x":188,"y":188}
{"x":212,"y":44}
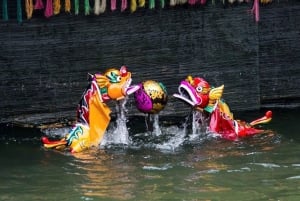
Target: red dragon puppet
{"x":93,"y":114}
{"x":202,"y":97}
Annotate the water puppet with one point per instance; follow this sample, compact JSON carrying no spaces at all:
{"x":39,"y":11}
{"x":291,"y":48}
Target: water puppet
{"x":198,"y":93}
{"x":93,"y":114}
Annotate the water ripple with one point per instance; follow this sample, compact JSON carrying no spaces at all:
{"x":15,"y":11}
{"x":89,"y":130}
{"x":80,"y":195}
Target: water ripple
{"x":294,"y":177}
{"x":164,"y":167}
{"x":267,"y":165}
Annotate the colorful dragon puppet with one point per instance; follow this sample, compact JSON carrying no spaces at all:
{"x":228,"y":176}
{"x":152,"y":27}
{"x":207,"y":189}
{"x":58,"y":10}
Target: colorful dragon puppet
{"x":93,"y":114}
{"x":198,"y":93}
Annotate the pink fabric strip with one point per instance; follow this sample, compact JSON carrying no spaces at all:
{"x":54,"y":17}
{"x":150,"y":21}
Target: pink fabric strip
{"x":192,"y":2}
{"x":202,"y":2}
{"x":124,"y":5}
{"x":38,"y":4}
{"x":255,"y":9}
{"x":113,"y":5}
{"x":49,"y":9}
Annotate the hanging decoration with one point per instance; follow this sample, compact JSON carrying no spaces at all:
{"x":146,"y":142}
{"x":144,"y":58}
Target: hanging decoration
{"x":53,"y":7}
{"x":202,"y":2}
{"x":113,"y":5}
{"x":67,"y":6}
{"x":181,"y":2}
{"x":29,"y":8}
{"x":162,"y":3}
{"x":172,"y":2}
{"x":97,"y":7}
{"x":56,"y":7}
{"x":49,"y":9}
{"x":38,"y":5}
{"x":151,"y":4}
{"x":4,"y":10}
{"x":76,"y":7}
{"x":142,"y":3}
{"x":102,"y":6}
{"x":133,"y":6}
{"x":265,"y":1}
{"x":87,"y":7}
{"x":178,"y":2}
{"x":19,"y":11}
{"x":123,"y":5}
{"x":255,"y":10}
{"x":192,"y":2}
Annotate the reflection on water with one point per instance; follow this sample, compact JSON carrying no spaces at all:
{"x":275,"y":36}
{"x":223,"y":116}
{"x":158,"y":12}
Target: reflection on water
{"x":103,"y":177}
{"x":171,"y":166}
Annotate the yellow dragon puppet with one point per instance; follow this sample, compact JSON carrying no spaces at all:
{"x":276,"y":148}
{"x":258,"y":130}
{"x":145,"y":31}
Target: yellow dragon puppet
{"x":202,"y":97}
{"x":93,"y":114}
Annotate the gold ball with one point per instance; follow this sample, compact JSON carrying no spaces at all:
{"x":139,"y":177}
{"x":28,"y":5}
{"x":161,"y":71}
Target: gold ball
{"x":157,"y":95}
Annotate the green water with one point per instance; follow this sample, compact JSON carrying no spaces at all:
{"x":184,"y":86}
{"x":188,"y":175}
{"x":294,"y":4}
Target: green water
{"x":265,"y":167}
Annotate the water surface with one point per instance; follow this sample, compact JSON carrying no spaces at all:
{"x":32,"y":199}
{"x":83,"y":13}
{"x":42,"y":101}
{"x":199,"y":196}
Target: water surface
{"x":165,"y":167}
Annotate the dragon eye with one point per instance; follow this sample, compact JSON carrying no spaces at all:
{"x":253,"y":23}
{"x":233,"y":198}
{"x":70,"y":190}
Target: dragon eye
{"x":199,"y":89}
{"x":118,"y":78}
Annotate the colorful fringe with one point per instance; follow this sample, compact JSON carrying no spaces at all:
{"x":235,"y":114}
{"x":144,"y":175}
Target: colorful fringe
{"x":54,"y":6}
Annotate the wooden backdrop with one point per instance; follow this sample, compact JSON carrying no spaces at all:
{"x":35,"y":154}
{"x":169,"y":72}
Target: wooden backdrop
{"x":44,"y":62}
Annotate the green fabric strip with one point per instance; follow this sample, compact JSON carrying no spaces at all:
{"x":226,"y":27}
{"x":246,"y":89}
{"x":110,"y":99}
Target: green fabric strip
{"x":4,"y":10}
{"x":151,"y":4}
{"x":162,"y":3}
{"x":76,"y":7}
{"x":19,"y":11}
{"x":87,"y":7}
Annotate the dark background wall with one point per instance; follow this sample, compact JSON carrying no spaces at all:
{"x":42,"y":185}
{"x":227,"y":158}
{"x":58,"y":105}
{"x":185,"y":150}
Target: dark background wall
{"x":44,"y":62}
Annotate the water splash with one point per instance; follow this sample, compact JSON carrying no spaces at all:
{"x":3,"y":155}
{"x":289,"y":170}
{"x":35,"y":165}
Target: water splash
{"x":176,"y":139}
{"x":152,"y":124}
{"x":199,"y":124}
{"x":119,"y":133}
{"x":182,"y":134}
{"x":159,"y":136}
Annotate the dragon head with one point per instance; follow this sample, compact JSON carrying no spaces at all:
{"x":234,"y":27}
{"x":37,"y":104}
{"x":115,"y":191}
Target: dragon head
{"x":198,"y":93}
{"x":115,"y":84}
